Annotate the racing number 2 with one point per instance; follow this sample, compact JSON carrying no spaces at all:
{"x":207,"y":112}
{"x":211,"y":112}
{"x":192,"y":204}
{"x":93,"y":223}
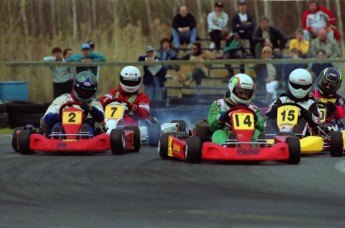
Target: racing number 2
{"x":74,"y":117}
{"x":243,"y":121}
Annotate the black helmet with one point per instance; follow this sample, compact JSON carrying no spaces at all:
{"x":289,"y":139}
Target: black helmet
{"x":85,"y":86}
{"x":329,"y":81}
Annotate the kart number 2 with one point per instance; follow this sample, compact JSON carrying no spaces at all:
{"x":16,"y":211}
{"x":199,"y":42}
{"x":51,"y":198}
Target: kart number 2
{"x":74,"y":117}
{"x":243,"y":121}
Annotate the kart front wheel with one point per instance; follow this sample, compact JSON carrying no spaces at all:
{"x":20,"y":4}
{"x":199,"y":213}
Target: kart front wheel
{"x":24,"y":142}
{"x":294,"y":150}
{"x":136,"y":137}
{"x":15,"y":134}
{"x":193,"y":150}
{"x":336,"y":144}
{"x":163,"y":145}
{"x":117,"y":141}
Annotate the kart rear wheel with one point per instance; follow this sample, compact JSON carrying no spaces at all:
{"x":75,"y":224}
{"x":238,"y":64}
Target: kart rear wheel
{"x":193,"y":149}
{"x":294,"y":150}
{"x":24,"y":141}
{"x":336,"y":144}
{"x":182,"y":125}
{"x":15,"y":137}
{"x":136,"y":137}
{"x":117,"y":141}
{"x":163,"y":145}
{"x":154,"y":134}
{"x":203,"y":130}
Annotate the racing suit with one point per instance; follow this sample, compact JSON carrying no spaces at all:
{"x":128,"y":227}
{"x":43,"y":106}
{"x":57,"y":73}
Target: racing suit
{"x":310,"y":113}
{"x":140,"y":104}
{"x":220,"y":129}
{"x":334,"y":104}
{"x":95,"y":113}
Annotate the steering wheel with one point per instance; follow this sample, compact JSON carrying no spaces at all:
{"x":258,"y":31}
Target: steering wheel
{"x":127,"y":103}
{"x":242,"y":107}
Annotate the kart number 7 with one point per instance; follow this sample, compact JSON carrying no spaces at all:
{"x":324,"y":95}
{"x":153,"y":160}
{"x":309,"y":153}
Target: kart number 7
{"x":114,"y":111}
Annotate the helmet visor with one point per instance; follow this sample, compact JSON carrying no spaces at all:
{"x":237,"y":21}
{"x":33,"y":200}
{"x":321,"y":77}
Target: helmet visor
{"x":244,"y":94}
{"x":84,"y":93}
{"x":329,"y":86}
{"x":298,"y":86}
{"x":130,"y":81}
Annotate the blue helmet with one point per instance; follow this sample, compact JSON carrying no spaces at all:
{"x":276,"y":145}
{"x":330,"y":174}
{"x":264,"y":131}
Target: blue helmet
{"x":85,"y":86}
{"x":329,"y":81}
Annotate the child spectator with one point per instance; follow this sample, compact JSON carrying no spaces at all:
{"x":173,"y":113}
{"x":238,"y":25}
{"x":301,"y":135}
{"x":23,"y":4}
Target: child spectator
{"x":184,"y":28}
{"x":330,"y":46}
{"x":300,"y":44}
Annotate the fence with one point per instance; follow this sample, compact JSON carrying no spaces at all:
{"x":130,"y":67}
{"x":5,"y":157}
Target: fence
{"x":39,"y":79}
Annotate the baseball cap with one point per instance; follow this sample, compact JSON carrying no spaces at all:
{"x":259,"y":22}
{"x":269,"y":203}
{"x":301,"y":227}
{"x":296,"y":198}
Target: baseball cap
{"x":91,"y":43}
{"x":149,"y":48}
{"x":85,"y":46}
{"x":242,"y":2}
{"x":219,"y":4}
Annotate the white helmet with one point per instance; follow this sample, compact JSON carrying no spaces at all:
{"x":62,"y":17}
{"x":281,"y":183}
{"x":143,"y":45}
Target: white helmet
{"x":300,"y":82}
{"x":241,"y":89}
{"x":130,"y":79}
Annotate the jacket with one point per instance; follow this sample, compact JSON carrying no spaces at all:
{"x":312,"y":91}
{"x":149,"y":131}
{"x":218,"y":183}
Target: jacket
{"x":277,"y":39}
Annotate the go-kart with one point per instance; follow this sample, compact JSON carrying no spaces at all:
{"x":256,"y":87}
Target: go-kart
{"x":311,"y":140}
{"x":239,"y":147}
{"x":72,"y":139}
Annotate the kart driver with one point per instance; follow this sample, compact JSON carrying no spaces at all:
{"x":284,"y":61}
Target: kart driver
{"x":300,"y":83}
{"x":84,"y":89}
{"x":330,"y":80}
{"x":239,"y":93}
{"x":138,"y":105}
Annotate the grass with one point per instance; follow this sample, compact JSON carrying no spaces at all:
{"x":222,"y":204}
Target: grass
{"x":6,"y":131}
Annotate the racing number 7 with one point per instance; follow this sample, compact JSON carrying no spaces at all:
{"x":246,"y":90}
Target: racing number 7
{"x":114,"y":108}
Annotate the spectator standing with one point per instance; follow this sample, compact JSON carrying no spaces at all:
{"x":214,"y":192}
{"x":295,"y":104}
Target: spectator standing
{"x":330,"y":46}
{"x":317,"y":68}
{"x":62,"y":75}
{"x":266,"y":35}
{"x":243,"y":24}
{"x":316,"y":18}
{"x":217,"y":25}
{"x":184,"y":28}
{"x":87,"y":56}
{"x":154,"y":76}
{"x":300,"y":44}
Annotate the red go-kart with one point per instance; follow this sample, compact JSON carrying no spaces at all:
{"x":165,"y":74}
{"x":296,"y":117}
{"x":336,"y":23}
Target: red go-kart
{"x":239,"y":147}
{"x":27,"y":140}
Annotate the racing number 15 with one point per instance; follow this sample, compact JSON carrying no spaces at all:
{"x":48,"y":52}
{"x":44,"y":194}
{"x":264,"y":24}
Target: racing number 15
{"x":288,"y":115}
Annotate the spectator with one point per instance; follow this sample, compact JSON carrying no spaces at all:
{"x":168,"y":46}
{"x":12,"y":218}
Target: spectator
{"x":266,"y":35}
{"x":316,"y":18}
{"x":62,"y":75}
{"x":154,"y":76}
{"x":166,"y":52}
{"x":198,"y":71}
{"x":267,"y":73}
{"x":87,"y":56}
{"x":330,"y":46}
{"x":300,"y":44}
{"x":92,"y":45}
{"x":243,"y":24}
{"x":67,"y":52}
{"x":317,"y":68}
{"x":234,"y":50}
{"x":217,"y":25}
{"x":288,"y":68}
{"x":184,"y":28}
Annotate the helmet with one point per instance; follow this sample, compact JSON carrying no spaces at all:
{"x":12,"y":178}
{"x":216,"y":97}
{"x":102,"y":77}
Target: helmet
{"x":241,"y":89}
{"x":130,"y":79}
{"x":329,"y":81}
{"x":300,"y":82}
{"x":85,"y":86}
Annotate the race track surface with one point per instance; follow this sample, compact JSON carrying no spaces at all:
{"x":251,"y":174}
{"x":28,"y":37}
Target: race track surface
{"x":141,"y":190}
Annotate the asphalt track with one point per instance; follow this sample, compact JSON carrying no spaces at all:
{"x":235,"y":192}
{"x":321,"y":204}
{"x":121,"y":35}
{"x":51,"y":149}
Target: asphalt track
{"x":141,"y":190}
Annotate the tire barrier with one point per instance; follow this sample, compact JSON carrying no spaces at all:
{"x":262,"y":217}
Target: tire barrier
{"x":21,"y":113}
{"x":3,"y":115}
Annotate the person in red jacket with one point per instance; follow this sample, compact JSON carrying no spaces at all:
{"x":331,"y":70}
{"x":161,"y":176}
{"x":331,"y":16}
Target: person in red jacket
{"x":138,"y":105}
{"x":329,"y":82}
{"x":316,"y":18}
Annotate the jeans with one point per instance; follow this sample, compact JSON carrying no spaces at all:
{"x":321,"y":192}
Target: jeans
{"x":178,"y":37}
{"x":154,"y":91}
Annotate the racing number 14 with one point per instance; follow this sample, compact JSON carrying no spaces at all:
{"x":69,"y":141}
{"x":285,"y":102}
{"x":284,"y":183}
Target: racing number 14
{"x":243,"y":121}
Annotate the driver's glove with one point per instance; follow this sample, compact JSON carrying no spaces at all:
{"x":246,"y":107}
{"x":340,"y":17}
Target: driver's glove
{"x":331,"y":107}
{"x":86,"y":108}
{"x":132,"y":107}
{"x":224,"y":117}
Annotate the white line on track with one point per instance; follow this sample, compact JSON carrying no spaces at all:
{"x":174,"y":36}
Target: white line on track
{"x":340,"y":166}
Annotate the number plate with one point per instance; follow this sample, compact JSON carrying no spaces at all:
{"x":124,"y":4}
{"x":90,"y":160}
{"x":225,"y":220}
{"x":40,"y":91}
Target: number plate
{"x":243,"y":121}
{"x":323,"y":112}
{"x":72,"y":117}
{"x":114,"y":111}
{"x":287,"y":115}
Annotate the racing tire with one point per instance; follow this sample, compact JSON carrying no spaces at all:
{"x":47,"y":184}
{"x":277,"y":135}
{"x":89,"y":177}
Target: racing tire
{"x":294,"y":150}
{"x":182,"y":125}
{"x":24,"y":142}
{"x":203,"y":130}
{"x":336,"y":144}
{"x":154,"y":134}
{"x":136,"y":137}
{"x":163,"y":145}
{"x":193,"y":149}
{"x":15,"y":136}
{"x":117,"y":141}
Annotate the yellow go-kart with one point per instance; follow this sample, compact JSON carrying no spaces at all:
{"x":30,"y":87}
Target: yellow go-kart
{"x":311,"y":140}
